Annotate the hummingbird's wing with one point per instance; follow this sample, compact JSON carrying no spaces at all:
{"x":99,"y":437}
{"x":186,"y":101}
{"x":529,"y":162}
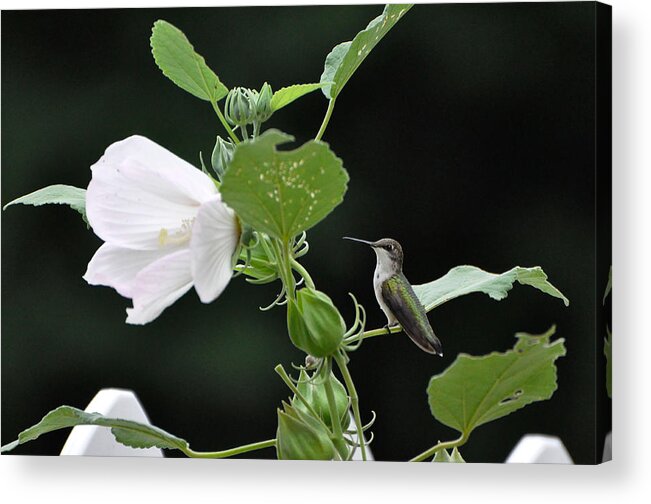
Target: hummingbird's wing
{"x":401,"y":299}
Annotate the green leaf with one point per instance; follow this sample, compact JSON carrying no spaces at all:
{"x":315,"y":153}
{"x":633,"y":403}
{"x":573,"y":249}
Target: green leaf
{"x":477,"y":390}
{"x":346,"y":57}
{"x":283,"y":193}
{"x":128,"y":433}
{"x":464,"y":280}
{"x":58,"y":194}
{"x":608,"y":352}
{"x":285,"y":96}
{"x":178,"y":61}
{"x":203,"y":164}
{"x":456,"y":456}
{"x":443,"y":456}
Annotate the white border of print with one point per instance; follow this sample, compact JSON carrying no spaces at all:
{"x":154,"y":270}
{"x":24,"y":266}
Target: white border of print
{"x":50,"y":479}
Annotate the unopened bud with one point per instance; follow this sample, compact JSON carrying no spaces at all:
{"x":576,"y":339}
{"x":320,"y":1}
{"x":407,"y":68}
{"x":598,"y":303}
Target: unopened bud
{"x":263,"y":108}
{"x":240,"y":106}
{"x":222,"y":155}
{"x":313,"y":391}
{"x":314,"y":323}
{"x":302,"y":437}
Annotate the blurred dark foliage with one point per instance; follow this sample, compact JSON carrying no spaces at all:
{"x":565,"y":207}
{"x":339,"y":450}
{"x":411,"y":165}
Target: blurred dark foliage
{"x":469,"y":136}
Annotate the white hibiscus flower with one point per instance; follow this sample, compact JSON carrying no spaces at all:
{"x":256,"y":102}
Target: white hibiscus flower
{"x":164,"y":226}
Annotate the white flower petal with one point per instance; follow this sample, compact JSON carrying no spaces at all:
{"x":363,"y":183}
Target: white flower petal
{"x":214,"y":238}
{"x":117,"y":267}
{"x":158,"y":285}
{"x":138,"y":189}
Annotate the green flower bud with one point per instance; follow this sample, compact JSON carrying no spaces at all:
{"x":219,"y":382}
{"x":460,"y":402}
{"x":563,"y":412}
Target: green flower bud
{"x":240,"y":106}
{"x":263,"y":108}
{"x":221,"y":156}
{"x":296,"y":327}
{"x":260,"y":267}
{"x":301,"y":437}
{"x":313,"y":390}
{"x":314,"y":324}
{"x":247,"y":237}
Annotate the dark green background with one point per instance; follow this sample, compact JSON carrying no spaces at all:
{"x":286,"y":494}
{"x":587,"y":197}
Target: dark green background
{"x":468,"y":135}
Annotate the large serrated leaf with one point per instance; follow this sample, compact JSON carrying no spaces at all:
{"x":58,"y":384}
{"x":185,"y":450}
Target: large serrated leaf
{"x":58,"y":194}
{"x":285,"y":96}
{"x":127,"y":432}
{"x":283,"y":193}
{"x":179,"y":62}
{"x":345,"y":58}
{"x":464,"y":280}
{"x":477,"y":390}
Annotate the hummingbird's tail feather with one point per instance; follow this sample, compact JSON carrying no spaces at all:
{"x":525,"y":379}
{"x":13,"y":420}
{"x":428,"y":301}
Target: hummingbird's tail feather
{"x":426,"y":342}
{"x":436,"y":343}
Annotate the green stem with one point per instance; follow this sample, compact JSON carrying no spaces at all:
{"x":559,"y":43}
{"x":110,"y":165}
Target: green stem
{"x":222,"y":119}
{"x":233,"y":451}
{"x":326,"y":119}
{"x":337,"y":432}
{"x":440,"y":446}
{"x":303,"y":272}
{"x":245,"y":133}
{"x":372,"y":333}
{"x":282,"y":255}
{"x":354,"y":401}
{"x":256,"y":129}
{"x":290,"y":281}
{"x":288,"y":381}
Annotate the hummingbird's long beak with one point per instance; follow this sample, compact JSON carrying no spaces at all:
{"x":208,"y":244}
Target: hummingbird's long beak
{"x":358,"y":240}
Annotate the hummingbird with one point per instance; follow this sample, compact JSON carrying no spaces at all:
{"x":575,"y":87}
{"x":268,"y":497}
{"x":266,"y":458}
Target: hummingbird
{"x":397,"y":298}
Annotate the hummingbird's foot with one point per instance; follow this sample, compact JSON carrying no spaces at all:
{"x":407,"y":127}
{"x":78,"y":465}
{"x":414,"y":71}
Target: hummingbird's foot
{"x":388,"y":327}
